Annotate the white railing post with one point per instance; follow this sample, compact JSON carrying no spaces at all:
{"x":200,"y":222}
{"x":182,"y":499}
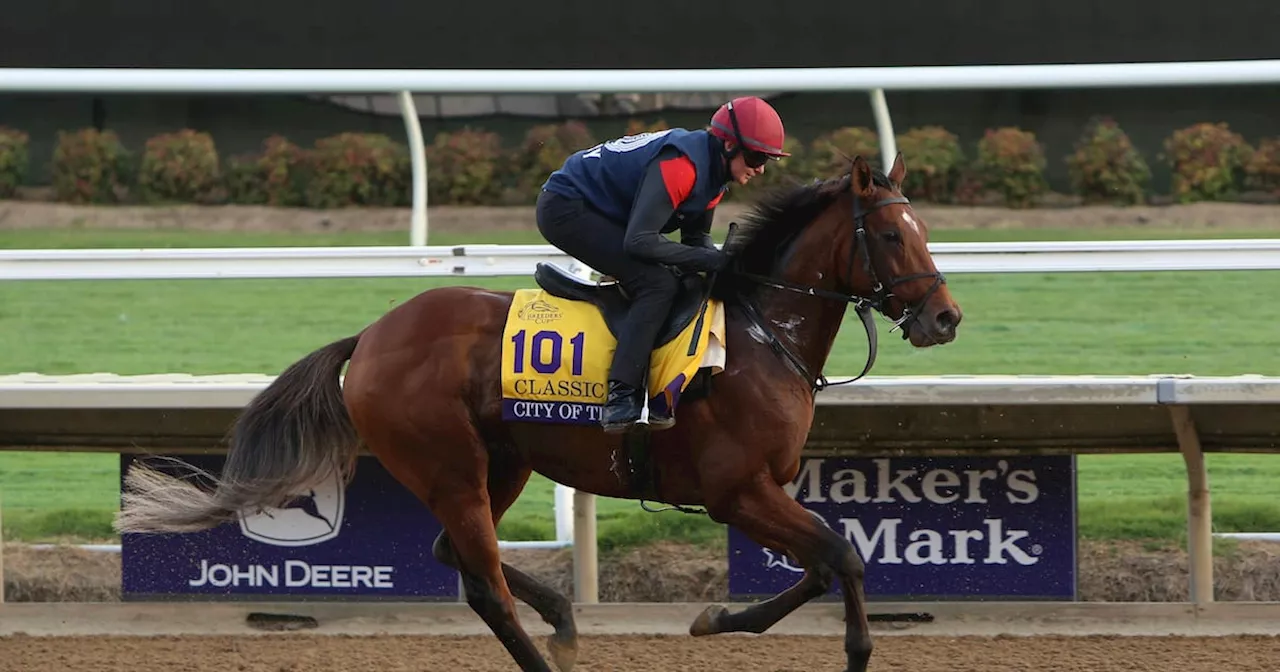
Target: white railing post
{"x":586,"y":573}
{"x":884,"y":128}
{"x":564,"y":514}
{"x":418,"y":159}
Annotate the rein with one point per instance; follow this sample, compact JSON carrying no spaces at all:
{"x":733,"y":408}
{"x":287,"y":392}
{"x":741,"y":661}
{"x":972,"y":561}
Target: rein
{"x":862,"y":305}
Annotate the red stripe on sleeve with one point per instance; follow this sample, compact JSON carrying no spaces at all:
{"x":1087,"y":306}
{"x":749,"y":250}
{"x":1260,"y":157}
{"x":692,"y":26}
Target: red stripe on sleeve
{"x":678,"y":175}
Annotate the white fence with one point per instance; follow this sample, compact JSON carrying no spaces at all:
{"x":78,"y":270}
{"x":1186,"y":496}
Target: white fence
{"x":873,"y":80}
{"x":496,"y":260}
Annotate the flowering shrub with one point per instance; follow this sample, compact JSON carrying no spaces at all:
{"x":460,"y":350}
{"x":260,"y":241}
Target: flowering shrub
{"x":1208,"y":162}
{"x":272,"y":177}
{"x":1262,"y":172}
{"x":830,"y":153}
{"x":14,"y":160}
{"x":181,"y":166}
{"x":357,"y":169}
{"x":933,"y":158}
{"x":1011,"y":162}
{"x":89,"y":166}
{"x":1106,"y":167}
{"x":464,"y":167}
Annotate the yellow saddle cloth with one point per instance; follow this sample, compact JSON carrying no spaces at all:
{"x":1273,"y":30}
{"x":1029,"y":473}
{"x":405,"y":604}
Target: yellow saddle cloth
{"x":556,"y":355}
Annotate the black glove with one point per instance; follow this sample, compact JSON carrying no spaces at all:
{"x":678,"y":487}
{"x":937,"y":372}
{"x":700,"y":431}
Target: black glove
{"x":716,"y":260}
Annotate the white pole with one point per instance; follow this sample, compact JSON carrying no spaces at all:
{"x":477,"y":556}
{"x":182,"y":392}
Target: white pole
{"x":884,"y":128}
{"x":586,"y":579}
{"x":564,"y":513}
{"x":418,"y":157}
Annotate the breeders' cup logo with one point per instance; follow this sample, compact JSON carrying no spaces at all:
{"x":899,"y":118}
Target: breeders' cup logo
{"x":311,"y":517}
{"x":539,"y":312}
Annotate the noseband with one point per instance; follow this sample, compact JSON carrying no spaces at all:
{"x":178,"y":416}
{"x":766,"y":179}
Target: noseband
{"x":881,"y":293}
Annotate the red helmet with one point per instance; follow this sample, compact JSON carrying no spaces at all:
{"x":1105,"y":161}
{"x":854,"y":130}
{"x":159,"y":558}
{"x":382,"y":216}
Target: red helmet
{"x":752,"y":123}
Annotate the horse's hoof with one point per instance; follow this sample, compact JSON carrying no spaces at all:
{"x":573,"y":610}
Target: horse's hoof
{"x":563,"y":650}
{"x":708,"y":622}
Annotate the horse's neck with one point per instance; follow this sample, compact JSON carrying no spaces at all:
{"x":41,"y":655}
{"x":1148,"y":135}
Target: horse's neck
{"x":807,"y":325}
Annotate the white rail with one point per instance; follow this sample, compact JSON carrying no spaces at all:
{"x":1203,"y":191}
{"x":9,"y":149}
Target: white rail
{"x":491,"y":81}
{"x":497,"y":260}
{"x":180,"y":391}
{"x":873,"y":80}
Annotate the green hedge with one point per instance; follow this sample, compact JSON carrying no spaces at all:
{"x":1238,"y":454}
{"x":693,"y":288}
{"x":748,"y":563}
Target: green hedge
{"x":473,"y":167}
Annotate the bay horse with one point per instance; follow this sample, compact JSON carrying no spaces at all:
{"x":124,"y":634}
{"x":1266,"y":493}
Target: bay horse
{"x":422,"y":392}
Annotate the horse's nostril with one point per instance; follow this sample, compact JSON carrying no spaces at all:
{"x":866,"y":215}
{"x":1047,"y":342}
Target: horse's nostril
{"x":947,"y":320}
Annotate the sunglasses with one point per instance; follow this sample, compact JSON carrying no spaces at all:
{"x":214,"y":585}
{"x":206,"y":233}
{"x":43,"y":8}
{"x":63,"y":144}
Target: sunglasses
{"x":754,"y":159}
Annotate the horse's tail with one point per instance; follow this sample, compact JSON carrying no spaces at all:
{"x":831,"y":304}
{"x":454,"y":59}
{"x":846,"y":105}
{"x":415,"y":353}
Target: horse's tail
{"x":293,"y":436}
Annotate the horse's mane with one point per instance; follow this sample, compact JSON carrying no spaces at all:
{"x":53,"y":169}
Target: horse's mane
{"x":775,"y":220}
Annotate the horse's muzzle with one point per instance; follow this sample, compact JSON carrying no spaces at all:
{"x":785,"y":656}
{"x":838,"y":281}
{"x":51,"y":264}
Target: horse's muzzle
{"x":938,"y":328}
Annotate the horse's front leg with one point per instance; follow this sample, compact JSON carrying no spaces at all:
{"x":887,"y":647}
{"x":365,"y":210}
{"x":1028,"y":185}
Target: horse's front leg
{"x":766,"y":514}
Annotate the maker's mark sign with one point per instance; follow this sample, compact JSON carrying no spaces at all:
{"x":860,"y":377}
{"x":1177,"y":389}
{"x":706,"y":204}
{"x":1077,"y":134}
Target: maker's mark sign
{"x":934,"y":528}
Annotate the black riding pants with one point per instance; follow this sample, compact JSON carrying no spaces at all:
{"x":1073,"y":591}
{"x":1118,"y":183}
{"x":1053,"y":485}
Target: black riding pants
{"x":586,"y":234}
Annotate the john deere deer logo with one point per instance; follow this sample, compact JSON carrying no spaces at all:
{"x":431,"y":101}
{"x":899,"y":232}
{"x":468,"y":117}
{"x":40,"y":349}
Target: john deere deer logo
{"x":311,"y":517}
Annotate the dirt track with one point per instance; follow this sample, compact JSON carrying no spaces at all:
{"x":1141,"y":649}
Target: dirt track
{"x":289,"y":653}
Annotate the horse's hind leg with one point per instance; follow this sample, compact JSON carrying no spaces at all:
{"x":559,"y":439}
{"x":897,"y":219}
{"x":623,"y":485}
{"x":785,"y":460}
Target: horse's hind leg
{"x":476,"y":547}
{"x":761,"y":616}
{"x":506,"y":481}
{"x":765,"y":512}
{"x":450,"y":477}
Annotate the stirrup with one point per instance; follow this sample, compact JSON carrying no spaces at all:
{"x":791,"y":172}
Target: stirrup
{"x":658,"y":422}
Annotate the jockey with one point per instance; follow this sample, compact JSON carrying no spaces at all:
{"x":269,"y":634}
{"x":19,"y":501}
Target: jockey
{"x":610,"y":205}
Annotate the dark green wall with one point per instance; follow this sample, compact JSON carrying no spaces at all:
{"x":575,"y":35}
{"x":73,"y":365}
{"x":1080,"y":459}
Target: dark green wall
{"x":661,"y":33}
{"x":658,"y":33}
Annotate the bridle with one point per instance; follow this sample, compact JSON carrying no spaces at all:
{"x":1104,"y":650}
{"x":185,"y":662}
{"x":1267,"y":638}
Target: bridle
{"x":881,"y":293}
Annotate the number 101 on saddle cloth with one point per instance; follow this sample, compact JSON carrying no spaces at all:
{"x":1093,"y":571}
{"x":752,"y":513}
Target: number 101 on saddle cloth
{"x":559,"y":339}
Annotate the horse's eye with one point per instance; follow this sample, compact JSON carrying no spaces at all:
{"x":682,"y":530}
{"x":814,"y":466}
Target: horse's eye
{"x":891,"y":236}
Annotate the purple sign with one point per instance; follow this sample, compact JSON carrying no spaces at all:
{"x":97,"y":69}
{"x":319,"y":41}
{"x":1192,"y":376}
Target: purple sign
{"x":370,"y":540}
{"x":934,"y":528}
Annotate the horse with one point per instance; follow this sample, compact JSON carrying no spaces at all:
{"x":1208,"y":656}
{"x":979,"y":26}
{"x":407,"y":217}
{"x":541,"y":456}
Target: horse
{"x":422,"y":393}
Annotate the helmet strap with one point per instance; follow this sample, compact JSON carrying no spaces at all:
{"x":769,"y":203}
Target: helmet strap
{"x":737,"y":133}
{"x":742,"y":144}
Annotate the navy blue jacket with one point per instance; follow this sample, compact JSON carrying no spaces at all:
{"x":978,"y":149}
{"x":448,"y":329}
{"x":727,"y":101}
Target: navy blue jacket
{"x":653,"y":183}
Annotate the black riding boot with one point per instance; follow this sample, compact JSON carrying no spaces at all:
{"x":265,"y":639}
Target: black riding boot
{"x":622,"y":407}
{"x":659,"y":421}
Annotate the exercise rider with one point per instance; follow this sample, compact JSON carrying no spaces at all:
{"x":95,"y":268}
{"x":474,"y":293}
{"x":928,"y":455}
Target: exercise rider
{"x":610,"y":205}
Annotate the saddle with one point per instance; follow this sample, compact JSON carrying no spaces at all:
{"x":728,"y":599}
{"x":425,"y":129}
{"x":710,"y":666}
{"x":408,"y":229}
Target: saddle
{"x":612,"y":301}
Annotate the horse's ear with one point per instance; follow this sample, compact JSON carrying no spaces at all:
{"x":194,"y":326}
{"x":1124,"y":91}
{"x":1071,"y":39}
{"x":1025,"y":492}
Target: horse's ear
{"x":898,"y":172}
{"x":861,"y":182}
